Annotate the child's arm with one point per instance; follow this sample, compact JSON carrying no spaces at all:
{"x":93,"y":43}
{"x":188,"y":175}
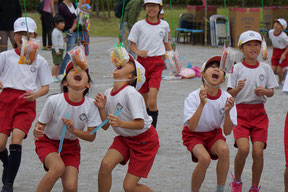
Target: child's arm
{"x":135,"y":124}
{"x":168,"y":46}
{"x":236,"y":90}
{"x":194,"y":120}
{"x":141,"y":53}
{"x":85,"y":135}
{"x":100,"y":102}
{"x":38,"y":130}
{"x":261,"y":91}
{"x":283,"y":56}
{"x":31,"y":96}
{"x":228,"y":125}
{"x":1,"y":85}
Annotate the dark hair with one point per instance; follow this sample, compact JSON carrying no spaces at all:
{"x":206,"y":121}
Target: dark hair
{"x":209,"y":65}
{"x":65,"y":88}
{"x":133,"y":84}
{"x":58,"y":19}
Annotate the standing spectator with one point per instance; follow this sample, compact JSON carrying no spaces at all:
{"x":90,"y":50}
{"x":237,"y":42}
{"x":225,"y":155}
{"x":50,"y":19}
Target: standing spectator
{"x":131,"y":13}
{"x":47,"y":23}
{"x":10,"y":10}
{"x":68,"y":10}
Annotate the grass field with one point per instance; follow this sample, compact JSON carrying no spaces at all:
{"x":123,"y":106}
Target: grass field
{"x":102,"y":26}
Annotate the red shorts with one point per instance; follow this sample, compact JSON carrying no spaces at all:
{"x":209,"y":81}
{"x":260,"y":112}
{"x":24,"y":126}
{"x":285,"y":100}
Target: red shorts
{"x":252,"y":120}
{"x":207,"y":139}
{"x":153,"y":72}
{"x":15,"y":112}
{"x":140,"y":149}
{"x":70,"y":153}
{"x":276,"y":58}
{"x":286,"y":140}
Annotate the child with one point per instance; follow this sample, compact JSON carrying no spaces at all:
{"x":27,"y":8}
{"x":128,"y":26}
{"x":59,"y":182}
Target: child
{"x":205,"y":111}
{"x":47,"y":131}
{"x":280,"y":49}
{"x":57,"y":45}
{"x":20,"y":83}
{"x":161,"y":16}
{"x":146,"y":40}
{"x":285,"y":90}
{"x":250,"y":83}
{"x":138,"y":139}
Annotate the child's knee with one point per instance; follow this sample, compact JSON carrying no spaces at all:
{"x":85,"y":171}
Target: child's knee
{"x":204,"y":161}
{"x":243,"y":151}
{"x":106,"y":166}
{"x":257,"y":153}
{"x":57,"y":170}
{"x":70,"y":187}
{"x":223,"y":152}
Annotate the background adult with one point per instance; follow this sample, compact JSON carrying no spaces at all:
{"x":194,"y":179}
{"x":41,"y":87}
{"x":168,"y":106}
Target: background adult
{"x":68,"y":10}
{"x":131,"y":13}
{"x":10,"y":10}
{"x":47,"y":15}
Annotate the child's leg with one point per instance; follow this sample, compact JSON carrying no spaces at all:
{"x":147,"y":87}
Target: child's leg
{"x":221,"y":149}
{"x":199,"y":172}
{"x":131,"y":184}
{"x":70,"y":179}
{"x":56,"y":169}
{"x":258,"y":161}
{"x":4,"y":155}
{"x":242,"y":153}
{"x":110,"y":160}
{"x":152,"y":105}
{"x":274,"y":68}
{"x":55,"y":70}
{"x":280,"y":74}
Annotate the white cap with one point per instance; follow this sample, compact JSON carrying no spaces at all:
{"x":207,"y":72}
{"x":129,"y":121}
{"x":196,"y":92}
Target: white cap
{"x":249,"y":36}
{"x":282,"y":22}
{"x":153,"y":1}
{"x":212,"y":59}
{"x":21,"y":25}
{"x":140,"y":72}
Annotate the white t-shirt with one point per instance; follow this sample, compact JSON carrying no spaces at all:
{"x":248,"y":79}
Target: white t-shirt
{"x":280,"y":41}
{"x":22,"y":76}
{"x":150,"y":37}
{"x":84,"y":113}
{"x":258,"y":75}
{"x":57,"y":40}
{"x":213,"y":113}
{"x":133,"y":105}
{"x":285,"y":86}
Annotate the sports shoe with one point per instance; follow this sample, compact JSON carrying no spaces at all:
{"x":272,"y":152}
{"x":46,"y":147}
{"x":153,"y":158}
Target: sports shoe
{"x":236,"y":186}
{"x":252,"y":189}
{"x":4,"y":174}
{"x":55,"y":79}
{"x":8,"y":187}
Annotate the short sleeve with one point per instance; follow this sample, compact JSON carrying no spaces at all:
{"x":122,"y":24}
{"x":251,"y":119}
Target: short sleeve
{"x":135,"y":104}
{"x":94,"y":118}
{"x":190,"y":106}
{"x":232,"y":79}
{"x":2,"y":62}
{"x":133,"y":35}
{"x":271,"y":81}
{"x":44,"y":74}
{"x":46,"y":113}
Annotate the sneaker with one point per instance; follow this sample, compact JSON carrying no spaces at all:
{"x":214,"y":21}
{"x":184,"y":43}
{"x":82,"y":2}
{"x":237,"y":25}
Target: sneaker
{"x":8,"y":187}
{"x":252,"y":189}
{"x":4,"y":174}
{"x":236,"y":186}
{"x":55,"y":79}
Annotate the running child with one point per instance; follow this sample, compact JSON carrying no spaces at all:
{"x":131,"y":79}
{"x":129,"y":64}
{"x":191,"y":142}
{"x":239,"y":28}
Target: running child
{"x":137,"y":141}
{"x":250,"y":83}
{"x":57,"y":45}
{"x":205,"y":111}
{"x":285,"y":90}
{"x":149,"y":40}
{"x":20,"y":84}
{"x":82,"y":112}
{"x":279,"y":40}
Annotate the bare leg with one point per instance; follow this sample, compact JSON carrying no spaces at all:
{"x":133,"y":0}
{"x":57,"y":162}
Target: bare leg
{"x":70,"y":179}
{"x":258,"y":162}
{"x":280,"y":74}
{"x":240,"y":159}
{"x":131,"y":184}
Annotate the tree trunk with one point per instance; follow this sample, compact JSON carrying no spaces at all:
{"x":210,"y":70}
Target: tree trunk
{"x":108,"y":8}
{"x":97,"y":7}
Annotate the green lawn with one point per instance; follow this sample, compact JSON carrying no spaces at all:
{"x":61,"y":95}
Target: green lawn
{"x":102,"y":26}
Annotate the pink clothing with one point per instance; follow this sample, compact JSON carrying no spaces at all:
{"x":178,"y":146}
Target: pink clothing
{"x":47,"y":6}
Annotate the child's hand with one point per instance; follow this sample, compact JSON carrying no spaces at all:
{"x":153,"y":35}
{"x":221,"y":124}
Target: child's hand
{"x":143,"y":53}
{"x":70,"y":125}
{"x":229,"y":104}
{"x":30,"y":96}
{"x":1,"y":85}
{"x":100,"y":101}
{"x":241,"y":84}
{"x":66,"y":39}
{"x":114,"y":120}
{"x":283,"y":57}
{"x":260,"y":91}
{"x":203,"y":95}
{"x":38,"y":130}
{"x":58,"y":53}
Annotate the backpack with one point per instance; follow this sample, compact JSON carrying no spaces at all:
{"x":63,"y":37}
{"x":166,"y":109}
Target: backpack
{"x":118,"y":8}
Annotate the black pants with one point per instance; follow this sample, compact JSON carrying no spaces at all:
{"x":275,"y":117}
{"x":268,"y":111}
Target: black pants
{"x":47,"y":27}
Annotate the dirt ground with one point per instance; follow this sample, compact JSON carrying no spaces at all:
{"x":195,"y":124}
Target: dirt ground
{"x":172,"y":169}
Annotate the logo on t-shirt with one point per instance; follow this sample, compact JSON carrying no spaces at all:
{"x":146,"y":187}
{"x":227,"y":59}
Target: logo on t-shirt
{"x":83,"y":117}
{"x":161,"y":33}
{"x":33,"y":69}
{"x":222,"y":110}
{"x":261,"y":77}
{"x":119,"y":106}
